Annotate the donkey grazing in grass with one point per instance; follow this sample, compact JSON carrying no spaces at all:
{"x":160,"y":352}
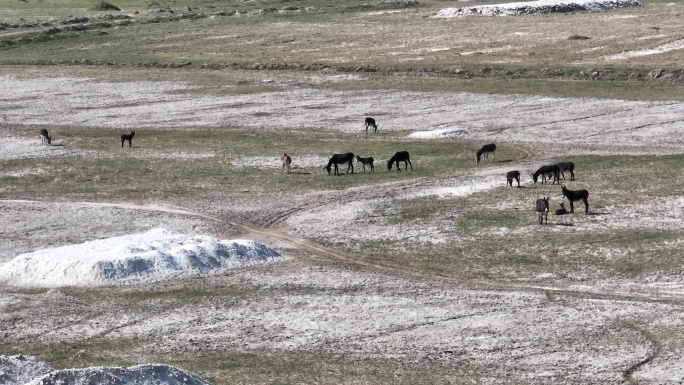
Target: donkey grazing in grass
{"x":401,"y":156}
{"x":547,"y":171}
{"x":567,"y":166}
{"x":366,"y":161}
{"x":542,"y":208}
{"x":287,"y":162}
{"x":370,"y":122}
{"x":337,"y":159}
{"x":129,"y":138}
{"x":44,"y":138}
{"x":574,"y":196}
{"x":485,"y":150}
{"x":510,"y":176}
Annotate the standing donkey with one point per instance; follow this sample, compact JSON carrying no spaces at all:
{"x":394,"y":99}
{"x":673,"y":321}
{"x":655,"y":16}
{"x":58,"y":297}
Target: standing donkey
{"x":44,"y":138}
{"x":129,"y":138}
{"x":366,"y":161}
{"x":287,"y":162}
{"x":566,"y":166}
{"x":542,"y":209}
{"x":577,"y":195}
{"x":510,"y":176}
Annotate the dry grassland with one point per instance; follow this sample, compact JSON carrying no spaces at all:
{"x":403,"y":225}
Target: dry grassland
{"x":436,"y":275}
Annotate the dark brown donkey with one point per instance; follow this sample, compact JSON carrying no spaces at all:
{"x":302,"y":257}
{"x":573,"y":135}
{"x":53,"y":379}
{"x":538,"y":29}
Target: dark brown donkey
{"x":577,"y":195}
{"x":510,"y":176}
{"x":129,"y":138}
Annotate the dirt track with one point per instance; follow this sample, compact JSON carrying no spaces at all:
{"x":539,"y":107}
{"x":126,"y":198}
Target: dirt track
{"x":591,"y":334}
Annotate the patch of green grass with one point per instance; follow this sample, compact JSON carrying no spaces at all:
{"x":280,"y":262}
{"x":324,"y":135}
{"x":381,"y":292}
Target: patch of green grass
{"x":388,"y":48}
{"x":625,"y":254}
{"x":294,"y":367}
{"x":156,"y":167}
{"x":480,"y":240}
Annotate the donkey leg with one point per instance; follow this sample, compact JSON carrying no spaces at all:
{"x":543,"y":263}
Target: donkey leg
{"x":586,"y":206}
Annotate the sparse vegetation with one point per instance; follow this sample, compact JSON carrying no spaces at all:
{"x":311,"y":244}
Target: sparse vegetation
{"x":490,"y":235}
{"x":104,"y":6}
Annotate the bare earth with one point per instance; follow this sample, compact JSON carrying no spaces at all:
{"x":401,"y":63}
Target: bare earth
{"x":549,"y":331}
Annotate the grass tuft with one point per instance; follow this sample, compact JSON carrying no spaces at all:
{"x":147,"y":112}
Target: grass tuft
{"x":104,"y":6}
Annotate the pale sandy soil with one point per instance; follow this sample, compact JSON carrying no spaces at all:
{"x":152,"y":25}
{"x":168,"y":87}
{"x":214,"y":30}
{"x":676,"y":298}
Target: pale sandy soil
{"x":548,"y":331}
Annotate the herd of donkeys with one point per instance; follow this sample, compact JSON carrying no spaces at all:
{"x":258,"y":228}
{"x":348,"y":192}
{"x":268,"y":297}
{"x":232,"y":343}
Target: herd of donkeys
{"x":554,"y":171}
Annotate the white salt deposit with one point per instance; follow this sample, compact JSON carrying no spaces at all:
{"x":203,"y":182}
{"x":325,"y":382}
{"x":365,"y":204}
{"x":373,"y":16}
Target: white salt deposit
{"x":536,"y":7}
{"x":131,"y":259}
{"x":153,"y":374}
{"x":18,"y":370}
{"x":671,"y":46}
{"x":442,"y":133}
{"x":461,"y":189}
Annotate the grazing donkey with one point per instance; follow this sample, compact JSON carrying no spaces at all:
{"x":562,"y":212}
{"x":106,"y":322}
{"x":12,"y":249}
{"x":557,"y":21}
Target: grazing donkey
{"x":510,"y":176}
{"x":287,"y":162}
{"x":567,"y":166}
{"x":401,"y":156}
{"x":485,"y":150}
{"x":341,"y":159}
{"x":44,"y":138}
{"x":547,"y":171}
{"x":366,"y":161}
{"x":370,"y":122}
{"x":574,"y":196}
{"x":561,"y":210}
{"x":129,"y":138}
{"x":542,"y":209}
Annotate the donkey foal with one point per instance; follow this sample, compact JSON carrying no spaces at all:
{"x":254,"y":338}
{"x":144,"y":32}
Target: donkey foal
{"x":510,"y":176}
{"x":561,"y":210}
{"x":366,"y":161}
{"x":129,"y":138}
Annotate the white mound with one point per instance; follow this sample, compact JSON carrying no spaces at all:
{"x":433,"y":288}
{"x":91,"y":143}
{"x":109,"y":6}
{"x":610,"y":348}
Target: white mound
{"x":135,"y":375}
{"x":130,"y":259}
{"x":536,"y":7}
{"x":18,"y":370}
{"x":443,"y":133}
